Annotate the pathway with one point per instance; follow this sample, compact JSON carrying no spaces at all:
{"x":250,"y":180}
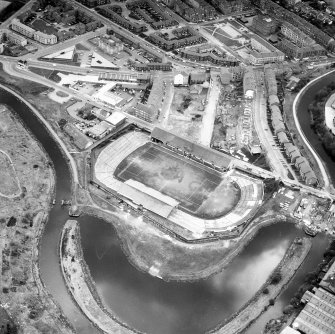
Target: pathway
{"x":302,"y":134}
{"x":208,"y":118}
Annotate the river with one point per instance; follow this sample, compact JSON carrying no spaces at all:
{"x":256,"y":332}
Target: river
{"x":142,"y":301}
{"x":316,"y":253}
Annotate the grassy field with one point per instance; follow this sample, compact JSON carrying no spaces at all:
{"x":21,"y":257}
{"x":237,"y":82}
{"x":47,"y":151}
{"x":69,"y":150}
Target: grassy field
{"x":22,"y":220}
{"x":43,"y":27}
{"x":49,"y":74}
{"x":200,"y":190}
{"x":8,"y":182}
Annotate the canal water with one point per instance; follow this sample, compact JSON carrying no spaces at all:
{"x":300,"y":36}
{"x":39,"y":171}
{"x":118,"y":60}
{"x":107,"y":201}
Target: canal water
{"x":142,"y":301}
{"x":317,"y":251}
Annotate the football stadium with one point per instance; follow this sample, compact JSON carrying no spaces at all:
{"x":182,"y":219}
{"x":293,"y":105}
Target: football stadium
{"x":189,"y":184}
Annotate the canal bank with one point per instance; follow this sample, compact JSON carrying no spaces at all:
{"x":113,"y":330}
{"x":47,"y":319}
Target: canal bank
{"x":302,"y":99}
{"x":121,"y":285}
{"x":48,"y":261}
{"x":81,"y":285}
{"x":144,"y":246}
{"x":267,"y":294}
{"x":303,"y":123}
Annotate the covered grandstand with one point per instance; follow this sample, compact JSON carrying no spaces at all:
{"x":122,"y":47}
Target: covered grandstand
{"x":251,"y":199}
{"x":139,"y":195}
{"x":196,"y":151}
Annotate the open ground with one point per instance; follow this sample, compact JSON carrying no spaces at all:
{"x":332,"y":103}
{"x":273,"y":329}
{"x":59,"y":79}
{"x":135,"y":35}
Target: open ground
{"x":186,"y":110}
{"x":22,"y":221}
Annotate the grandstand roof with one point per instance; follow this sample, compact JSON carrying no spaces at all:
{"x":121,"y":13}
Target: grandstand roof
{"x":200,"y":151}
{"x":146,"y":199}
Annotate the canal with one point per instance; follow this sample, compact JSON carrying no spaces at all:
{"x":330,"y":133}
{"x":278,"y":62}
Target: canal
{"x":317,"y":250}
{"x":142,"y":301}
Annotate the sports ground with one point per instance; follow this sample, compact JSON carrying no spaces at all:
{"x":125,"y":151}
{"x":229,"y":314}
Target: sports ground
{"x":200,"y":191}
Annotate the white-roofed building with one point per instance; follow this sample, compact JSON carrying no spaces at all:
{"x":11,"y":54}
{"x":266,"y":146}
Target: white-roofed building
{"x":289,"y":330}
{"x":249,"y":83}
{"x":116,"y":118}
{"x":180,"y":79}
{"x":100,"y":130}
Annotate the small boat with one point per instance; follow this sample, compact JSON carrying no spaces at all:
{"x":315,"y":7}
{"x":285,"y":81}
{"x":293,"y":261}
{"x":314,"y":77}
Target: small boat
{"x":310,"y":230}
{"x":53,"y":202}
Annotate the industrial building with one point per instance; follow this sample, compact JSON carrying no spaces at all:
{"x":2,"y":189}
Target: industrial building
{"x":318,"y":315}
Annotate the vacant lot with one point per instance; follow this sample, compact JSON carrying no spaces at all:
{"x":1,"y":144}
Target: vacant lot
{"x":199,"y":190}
{"x":186,"y":111}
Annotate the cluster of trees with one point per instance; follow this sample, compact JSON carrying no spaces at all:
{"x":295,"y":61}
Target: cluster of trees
{"x":316,"y":109}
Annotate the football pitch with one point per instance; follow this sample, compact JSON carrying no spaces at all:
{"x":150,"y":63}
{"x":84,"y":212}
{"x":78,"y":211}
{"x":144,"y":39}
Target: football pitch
{"x":199,"y":190}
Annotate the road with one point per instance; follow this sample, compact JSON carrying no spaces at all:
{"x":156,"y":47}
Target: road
{"x":169,"y":94}
{"x":11,"y":69}
{"x":224,"y":47}
{"x":6,"y":23}
{"x":208,"y":118}
{"x":327,"y":183}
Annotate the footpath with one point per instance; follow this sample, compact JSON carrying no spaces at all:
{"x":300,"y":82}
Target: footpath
{"x":293,"y":258}
{"x":81,"y":285}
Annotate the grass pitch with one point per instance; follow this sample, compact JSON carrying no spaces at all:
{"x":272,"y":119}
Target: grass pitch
{"x":200,"y":190}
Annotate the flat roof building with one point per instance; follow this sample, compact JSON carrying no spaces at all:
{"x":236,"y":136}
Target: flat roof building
{"x":116,"y":118}
{"x":318,"y":316}
{"x":265,"y":25}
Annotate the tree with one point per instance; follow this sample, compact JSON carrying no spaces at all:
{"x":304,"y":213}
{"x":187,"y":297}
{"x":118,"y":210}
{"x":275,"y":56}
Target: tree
{"x":275,"y":278}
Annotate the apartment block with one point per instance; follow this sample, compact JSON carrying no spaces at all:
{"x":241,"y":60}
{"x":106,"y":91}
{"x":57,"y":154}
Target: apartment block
{"x":94,"y":3}
{"x":108,"y":12}
{"x":16,"y":39}
{"x":263,"y":52}
{"x":295,"y":51}
{"x":295,"y":35}
{"x":265,"y":25}
{"x":22,"y":28}
{"x":194,"y":10}
{"x":110,"y":45}
{"x":45,"y":38}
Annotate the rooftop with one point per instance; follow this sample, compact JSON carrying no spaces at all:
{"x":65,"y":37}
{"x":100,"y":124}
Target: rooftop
{"x":207,"y":154}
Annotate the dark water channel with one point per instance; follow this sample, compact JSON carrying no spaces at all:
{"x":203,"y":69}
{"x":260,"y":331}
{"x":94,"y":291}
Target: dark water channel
{"x":319,"y":243}
{"x":142,"y":301}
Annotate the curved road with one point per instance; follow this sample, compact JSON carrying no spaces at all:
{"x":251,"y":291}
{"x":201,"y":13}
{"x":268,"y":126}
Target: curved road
{"x":297,"y":124}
